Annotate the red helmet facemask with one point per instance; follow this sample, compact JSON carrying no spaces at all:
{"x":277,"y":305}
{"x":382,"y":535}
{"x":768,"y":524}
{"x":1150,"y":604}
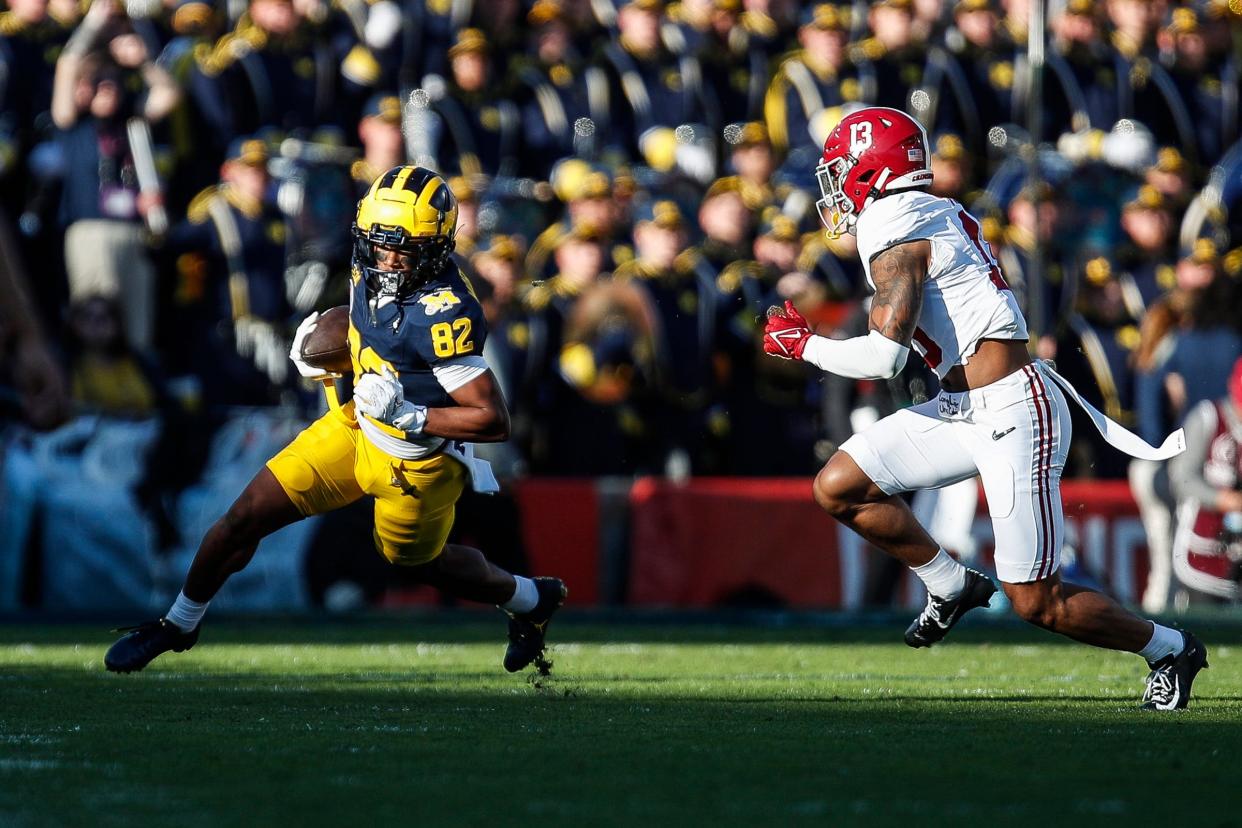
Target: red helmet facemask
{"x":871,"y":152}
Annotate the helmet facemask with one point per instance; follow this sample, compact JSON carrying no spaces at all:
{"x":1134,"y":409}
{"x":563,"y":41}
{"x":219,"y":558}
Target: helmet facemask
{"x":836,"y":210}
{"x":427,"y":254}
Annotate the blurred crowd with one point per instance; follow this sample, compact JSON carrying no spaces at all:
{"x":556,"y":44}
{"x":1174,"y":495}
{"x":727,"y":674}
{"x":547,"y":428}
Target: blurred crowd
{"x":636,"y":181}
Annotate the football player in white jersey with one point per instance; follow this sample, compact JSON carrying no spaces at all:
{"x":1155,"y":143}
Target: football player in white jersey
{"x":999,"y":415}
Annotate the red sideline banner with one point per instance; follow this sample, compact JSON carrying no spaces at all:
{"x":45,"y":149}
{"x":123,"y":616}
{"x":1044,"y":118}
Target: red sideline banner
{"x":710,"y":542}
{"x":561,"y":532}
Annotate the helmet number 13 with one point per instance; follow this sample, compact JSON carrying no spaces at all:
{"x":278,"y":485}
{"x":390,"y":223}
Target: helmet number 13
{"x":860,"y":137}
{"x":452,"y":338}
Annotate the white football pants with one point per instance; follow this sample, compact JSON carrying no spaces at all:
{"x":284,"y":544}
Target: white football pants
{"x":1014,"y":434}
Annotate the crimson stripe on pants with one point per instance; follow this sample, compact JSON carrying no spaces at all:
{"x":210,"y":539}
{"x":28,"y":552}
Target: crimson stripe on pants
{"x":1045,"y":536}
{"x":1046,"y":471}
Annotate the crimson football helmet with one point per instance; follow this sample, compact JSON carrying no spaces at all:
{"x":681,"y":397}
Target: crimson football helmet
{"x":871,"y":152}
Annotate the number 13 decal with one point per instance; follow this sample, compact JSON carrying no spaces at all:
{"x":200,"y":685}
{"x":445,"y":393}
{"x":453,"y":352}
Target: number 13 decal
{"x":860,"y":137}
{"x":445,"y":343}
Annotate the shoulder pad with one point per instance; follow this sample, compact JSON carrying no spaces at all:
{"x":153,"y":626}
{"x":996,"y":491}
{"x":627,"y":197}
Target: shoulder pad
{"x":197,"y":211}
{"x":622,"y":253}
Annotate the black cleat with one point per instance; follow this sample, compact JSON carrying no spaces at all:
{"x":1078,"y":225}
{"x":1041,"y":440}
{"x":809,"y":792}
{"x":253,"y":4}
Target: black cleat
{"x":527,"y":630}
{"x":141,"y":643}
{"x":1168,"y":683}
{"x":940,"y":614}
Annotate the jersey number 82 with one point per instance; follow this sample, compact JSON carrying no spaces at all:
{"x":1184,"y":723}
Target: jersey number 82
{"x":452,"y":338}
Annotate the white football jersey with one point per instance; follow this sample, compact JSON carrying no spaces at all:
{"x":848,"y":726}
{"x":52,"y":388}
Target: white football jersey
{"x":965,"y":297}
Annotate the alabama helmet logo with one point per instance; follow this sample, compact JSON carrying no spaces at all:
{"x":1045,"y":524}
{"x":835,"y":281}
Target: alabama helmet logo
{"x":438,"y":302}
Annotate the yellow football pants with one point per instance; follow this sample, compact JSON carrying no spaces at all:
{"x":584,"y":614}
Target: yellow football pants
{"x":332,"y":464}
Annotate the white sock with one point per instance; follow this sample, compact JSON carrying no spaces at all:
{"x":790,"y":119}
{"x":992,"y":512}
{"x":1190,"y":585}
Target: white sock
{"x":186,"y":613}
{"x":525,"y":596}
{"x":1165,"y":641}
{"x":943,"y":576}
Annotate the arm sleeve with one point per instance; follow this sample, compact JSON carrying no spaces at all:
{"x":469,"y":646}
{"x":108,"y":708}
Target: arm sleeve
{"x":1186,"y":469}
{"x":873,"y":356}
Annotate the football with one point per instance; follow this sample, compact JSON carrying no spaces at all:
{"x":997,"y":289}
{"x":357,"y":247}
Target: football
{"x":327,"y":347}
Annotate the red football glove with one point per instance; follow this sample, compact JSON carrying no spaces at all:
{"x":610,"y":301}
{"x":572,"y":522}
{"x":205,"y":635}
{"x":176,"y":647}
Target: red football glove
{"x":786,"y":332}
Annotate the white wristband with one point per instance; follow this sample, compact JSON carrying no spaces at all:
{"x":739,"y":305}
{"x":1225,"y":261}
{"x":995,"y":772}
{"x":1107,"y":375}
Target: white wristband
{"x":873,"y":356}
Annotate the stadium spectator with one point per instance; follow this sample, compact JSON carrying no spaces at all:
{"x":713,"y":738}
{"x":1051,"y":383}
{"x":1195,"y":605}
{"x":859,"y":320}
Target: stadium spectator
{"x":951,"y":166}
{"x":588,"y":193}
{"x":1207,"y":478}
{"x":290,"y":66}
{"x":383,"y":144}
{"x":1095,"y":353}
{"x":230,"y":260}
{"x":474,"y":128}
{"x":467,"y":213}
{"x":1209,"y":340}
{"x":820,"y":76}
{"x":1171,"y":175}
{"x":101,"y":206}
{"x":1192,"y":108}
{"x":753,"y":159}
{"x":649,"y":85}
{"x":557,"y":82}
{"x":499,"y":262}
{"x":1081,"y":81}
{"x":984,"y":57}
{"x":32,"y":37}
{"x":197,"y":146}
{"x":683,"y":300}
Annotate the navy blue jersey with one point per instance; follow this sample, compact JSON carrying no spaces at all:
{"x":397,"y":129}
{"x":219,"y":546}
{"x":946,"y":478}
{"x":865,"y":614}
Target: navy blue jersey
{"x":439,"y":322}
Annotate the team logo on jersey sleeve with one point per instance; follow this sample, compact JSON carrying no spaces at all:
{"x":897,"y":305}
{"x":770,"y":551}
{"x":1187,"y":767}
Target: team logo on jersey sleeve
{"x":438,"y":302}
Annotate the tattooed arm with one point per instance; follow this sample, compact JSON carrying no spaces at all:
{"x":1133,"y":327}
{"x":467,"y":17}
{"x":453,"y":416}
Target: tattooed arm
{"x":898,"y":273}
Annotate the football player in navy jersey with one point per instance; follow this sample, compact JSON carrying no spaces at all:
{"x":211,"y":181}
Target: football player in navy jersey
{"x":422,"y":394}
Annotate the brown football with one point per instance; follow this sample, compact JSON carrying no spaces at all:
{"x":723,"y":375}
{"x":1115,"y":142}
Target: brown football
{"x":327,"y":347}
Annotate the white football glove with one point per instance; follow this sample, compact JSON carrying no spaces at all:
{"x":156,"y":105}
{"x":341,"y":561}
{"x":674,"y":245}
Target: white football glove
{"x":295,"y":350}
{"x":381,"y":396}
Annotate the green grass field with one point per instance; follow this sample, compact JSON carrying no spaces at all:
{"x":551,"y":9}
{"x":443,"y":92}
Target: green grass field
{"x":413,"y":722}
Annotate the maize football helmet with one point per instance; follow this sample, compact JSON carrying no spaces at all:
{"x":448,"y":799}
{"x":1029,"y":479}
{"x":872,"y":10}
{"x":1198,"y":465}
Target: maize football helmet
{"x":411,"y":210}
{"x":871,"y":152}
